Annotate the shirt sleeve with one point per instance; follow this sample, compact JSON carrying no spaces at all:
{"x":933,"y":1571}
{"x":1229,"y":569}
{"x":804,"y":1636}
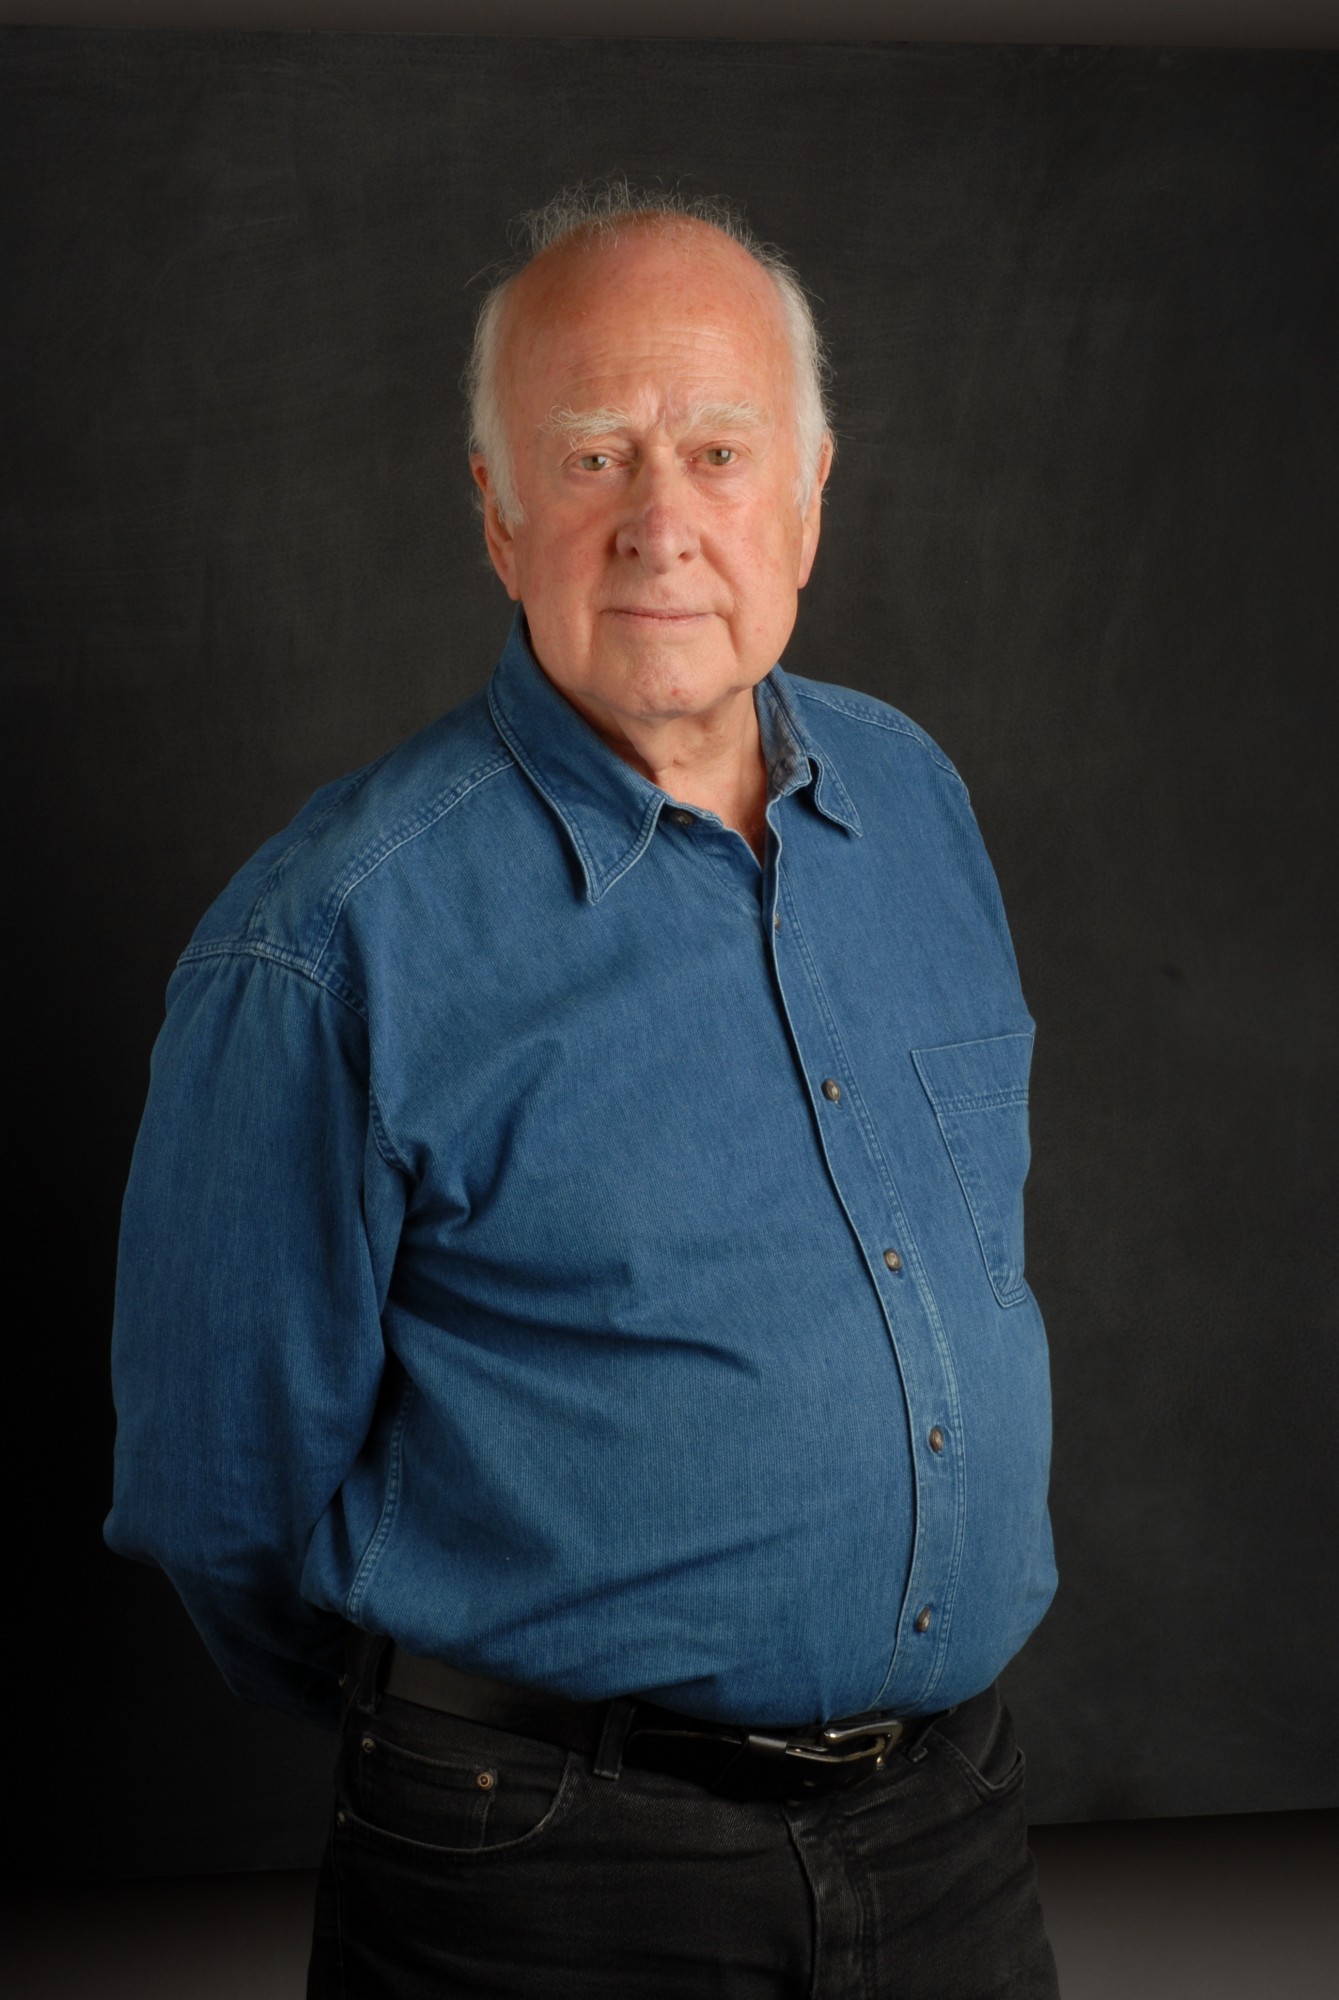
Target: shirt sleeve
{"x":257,"y":1239}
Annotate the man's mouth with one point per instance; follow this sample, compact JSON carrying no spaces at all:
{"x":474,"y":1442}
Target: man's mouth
{"x":665,"y":617}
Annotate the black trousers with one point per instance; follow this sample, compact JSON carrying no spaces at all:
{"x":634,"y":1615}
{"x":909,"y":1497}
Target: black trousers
{"x":467,"y":1864}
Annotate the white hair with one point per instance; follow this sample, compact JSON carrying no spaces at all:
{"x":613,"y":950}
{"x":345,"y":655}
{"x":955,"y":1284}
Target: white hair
{"x":601,"y":214}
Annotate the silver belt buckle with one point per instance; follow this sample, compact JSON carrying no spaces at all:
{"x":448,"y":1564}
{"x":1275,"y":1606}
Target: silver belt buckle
{"x":839,"y":1743}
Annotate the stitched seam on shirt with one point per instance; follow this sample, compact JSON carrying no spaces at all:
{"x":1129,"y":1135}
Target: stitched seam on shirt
{"x":806,"y":761}
{"x":322,"y":819}
{"x":724,"y":874}
{"x":389,"y":1507}
{"x":971,"y":1100}
{"x":273,"y":954}
{"x":894,"y":726}
{"x":515,"y":743}
{"x":783,"y":696}
{"x":598,"y":880}
{"x":931,"y":1309}
{"x":370,"y":860}
{"x":1008,"y":1295}
{"x":630,"y":859}
{"x":381,"y":1133}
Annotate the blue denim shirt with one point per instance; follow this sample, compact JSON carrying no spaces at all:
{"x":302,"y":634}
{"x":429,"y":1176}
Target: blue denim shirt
{"x":590,"y":1257}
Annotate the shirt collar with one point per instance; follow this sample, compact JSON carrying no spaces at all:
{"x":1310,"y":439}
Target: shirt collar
{"x":609,"y":810}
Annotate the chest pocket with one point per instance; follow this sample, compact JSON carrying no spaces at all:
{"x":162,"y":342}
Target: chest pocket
{"x":979,"y":1091}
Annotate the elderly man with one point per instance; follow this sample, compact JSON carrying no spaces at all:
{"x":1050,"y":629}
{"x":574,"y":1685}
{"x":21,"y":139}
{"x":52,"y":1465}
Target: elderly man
{"x":572,"y":1323}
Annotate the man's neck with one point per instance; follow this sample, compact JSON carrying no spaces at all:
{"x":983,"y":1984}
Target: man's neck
{"x":714,"y":761}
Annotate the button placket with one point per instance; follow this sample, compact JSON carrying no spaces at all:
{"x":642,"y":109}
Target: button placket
{"x":863,"y":1180}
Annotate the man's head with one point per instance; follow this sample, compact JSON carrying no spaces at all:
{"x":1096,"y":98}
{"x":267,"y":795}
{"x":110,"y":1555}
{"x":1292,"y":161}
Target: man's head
{"x":650,"y":442}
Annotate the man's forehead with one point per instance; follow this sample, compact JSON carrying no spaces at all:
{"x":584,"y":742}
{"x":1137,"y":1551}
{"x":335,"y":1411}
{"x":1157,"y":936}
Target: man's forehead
{"x":694,"y":277}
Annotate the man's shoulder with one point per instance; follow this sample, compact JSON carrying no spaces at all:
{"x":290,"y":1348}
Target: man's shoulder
{"x":285,"y":902}
{"x":864,"y":723}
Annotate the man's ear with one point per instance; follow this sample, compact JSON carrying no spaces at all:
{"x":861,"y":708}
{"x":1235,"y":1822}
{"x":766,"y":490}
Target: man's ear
{"x":813,"y":513}
{"x":497,"y":532}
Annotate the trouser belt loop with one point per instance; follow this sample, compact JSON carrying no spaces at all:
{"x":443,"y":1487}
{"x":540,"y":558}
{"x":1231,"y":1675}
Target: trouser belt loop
{"x":913,"y":1745}
{"x":609,"y":1751}
{"x":367,"y":1658}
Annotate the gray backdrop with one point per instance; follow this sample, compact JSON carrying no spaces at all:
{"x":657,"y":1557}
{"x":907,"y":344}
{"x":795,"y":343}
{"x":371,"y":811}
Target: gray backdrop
{"x":1082,"y":309}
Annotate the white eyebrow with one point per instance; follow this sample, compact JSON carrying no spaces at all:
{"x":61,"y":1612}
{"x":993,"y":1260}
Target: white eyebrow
{"x":580,"y":426}
{"x":729,"y":417}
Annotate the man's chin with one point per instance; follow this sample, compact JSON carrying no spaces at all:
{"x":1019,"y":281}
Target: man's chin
{"x":664,"y":678}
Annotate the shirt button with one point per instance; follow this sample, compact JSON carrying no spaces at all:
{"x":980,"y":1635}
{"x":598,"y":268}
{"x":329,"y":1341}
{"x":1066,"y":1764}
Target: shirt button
{"x":936,"y":1439}
{"x":776,"y":921}
{"x":682,"y":818}
{"x":922,"y":1620}
{"x":832,"y":1090}
{"x":892,"y":1260}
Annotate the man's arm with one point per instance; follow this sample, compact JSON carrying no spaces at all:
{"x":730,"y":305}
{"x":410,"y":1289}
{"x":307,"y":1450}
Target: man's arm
{"x":257,"y":1240}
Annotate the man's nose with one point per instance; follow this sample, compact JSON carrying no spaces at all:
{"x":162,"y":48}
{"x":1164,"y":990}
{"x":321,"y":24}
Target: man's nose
{"x":659,"y":527}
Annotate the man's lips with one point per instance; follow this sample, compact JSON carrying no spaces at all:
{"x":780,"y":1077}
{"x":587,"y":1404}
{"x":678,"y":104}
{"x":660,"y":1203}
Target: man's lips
{"x":675,"y":617}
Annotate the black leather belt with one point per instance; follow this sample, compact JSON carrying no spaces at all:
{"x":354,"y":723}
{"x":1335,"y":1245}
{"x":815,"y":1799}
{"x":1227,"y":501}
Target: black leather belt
{"x":731,"y":1758}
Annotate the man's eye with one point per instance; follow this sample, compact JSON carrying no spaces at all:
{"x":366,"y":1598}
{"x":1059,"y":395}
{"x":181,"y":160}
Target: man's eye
{"x":720,"y":454}
{"x":594,"y":461}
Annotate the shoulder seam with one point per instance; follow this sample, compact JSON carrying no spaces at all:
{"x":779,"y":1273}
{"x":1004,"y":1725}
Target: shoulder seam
{"x":273,"y":954}
{"x":253,"y":936}
{"x":346,"y":792}
{"x":895,"y":724}
{"x":286,"y":962}
{"x":369,"y":861}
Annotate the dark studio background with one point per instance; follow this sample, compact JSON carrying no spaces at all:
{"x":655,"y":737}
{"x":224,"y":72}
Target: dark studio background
{"x":1082,"y":308}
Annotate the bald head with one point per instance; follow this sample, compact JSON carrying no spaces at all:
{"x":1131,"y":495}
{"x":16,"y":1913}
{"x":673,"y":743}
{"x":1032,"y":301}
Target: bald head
{"x":580,"y":243}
